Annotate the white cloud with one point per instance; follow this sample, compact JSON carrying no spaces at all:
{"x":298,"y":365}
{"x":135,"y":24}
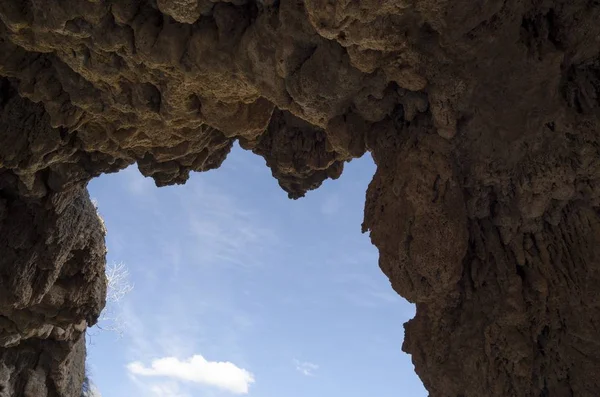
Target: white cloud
{"x":224,"y":375}
{"x":306,"y":368}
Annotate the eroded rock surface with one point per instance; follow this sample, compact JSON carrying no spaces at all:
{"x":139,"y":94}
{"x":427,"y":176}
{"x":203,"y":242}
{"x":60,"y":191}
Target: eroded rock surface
{"x":482,"y":118}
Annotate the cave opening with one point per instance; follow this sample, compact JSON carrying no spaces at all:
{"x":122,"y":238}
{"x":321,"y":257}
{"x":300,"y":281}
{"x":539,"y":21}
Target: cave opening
{"x":227,"y":268}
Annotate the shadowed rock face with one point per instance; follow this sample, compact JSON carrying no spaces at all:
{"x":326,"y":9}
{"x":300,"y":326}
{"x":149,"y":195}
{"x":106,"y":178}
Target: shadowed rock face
{"x":482,"y":118}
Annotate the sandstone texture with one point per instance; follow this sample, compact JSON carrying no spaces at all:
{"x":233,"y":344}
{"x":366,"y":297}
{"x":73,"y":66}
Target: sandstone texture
{"x":483,"y":119}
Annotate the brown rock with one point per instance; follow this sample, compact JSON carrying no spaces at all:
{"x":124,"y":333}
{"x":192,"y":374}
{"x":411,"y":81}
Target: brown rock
{"x":482,"y":117}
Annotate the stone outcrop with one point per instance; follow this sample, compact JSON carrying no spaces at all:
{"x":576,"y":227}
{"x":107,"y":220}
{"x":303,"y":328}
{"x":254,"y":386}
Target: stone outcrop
{"x":482,"y":118}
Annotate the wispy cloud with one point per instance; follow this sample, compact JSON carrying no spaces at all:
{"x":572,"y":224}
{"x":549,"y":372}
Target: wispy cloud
{"x":306,"y":368}
{"x":216,"y":229}
{"x":205,"y":238}
{"x":364,"y":291}
{"x":166,"y":389}
{"x":138,"y":184}
{"x":331,"y":205}
{"x":223,"y":375}
{"x":91,"y":391}
{"x":227,"y":231}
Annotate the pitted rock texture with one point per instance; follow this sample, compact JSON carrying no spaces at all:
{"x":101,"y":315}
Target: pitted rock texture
{"x":482,"y":118}
{"x":52,"y":264}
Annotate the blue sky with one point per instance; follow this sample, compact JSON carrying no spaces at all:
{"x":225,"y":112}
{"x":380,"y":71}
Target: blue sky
{"x":240,"y":291}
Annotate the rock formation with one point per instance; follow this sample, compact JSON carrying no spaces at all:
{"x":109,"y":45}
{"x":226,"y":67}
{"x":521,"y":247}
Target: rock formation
{"x":482,"y":118}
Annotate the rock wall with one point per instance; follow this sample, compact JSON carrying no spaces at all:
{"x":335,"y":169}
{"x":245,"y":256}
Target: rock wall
{"x":482,"y":118}
{"x":52,"y":283}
